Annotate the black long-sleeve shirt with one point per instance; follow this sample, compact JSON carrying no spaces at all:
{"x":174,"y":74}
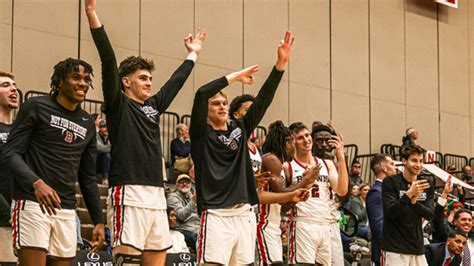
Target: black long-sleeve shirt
{"x":134,"y":128}
{"x":56,"y":145}
{"x":402,"y":224}
{"x":5,"y":178}
{"x":224,"y":175}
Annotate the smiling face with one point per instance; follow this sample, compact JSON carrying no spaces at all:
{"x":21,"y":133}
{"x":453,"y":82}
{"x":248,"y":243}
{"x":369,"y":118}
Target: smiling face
{"x":73,"y":89}
{"x":9,"y":96}
{"x":138,"y":85}
{"x":413,"y":164}
{"x":303,"y":141}
{"x":218,"y":109}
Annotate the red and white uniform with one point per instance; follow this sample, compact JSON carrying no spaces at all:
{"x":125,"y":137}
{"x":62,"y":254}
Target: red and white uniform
{"x":315,"y":221}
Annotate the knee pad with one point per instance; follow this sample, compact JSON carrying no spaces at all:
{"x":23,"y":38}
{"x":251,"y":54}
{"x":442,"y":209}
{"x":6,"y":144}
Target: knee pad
{"x":126,"y":259}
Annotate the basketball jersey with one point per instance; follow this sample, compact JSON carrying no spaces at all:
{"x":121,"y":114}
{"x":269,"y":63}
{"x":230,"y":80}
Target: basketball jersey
{"x":269,"y":214}
{"x":255,"y":159}
{"x":321,"y":206}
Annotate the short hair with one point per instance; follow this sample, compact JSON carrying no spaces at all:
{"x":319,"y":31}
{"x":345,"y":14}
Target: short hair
{"x":320,"y":128}
{"x":464,"y":167}
{"x":376,"y":161}
{"x":355,"y":162}
{"x":297,"y":126}
{"x":168,"y":210}
{"x":223,"y":93}
{"x":179,"y":127}
{"x":316,"y":123}
{"x":237,"y":103}
{"x":95,"y":115}
{"x":63,"y":68}
{"x":132,"y":63}
{"x":409,"y":131}
{"x":454,"y":233}
{"x":461,"y":211}
{"x":411,"y":149}
{"x":7,"y":75}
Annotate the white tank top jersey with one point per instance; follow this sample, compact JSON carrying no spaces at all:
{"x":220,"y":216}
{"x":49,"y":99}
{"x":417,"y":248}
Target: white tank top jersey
{"x":321,"y":206}
{"x":255,"y":158}
{"x":270,"y":212}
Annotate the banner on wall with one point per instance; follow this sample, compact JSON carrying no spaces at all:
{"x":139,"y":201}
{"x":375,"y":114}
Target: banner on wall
{"x":450,"y":3}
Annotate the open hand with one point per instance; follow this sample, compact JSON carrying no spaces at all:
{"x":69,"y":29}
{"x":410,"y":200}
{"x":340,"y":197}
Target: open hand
{"x":194,"y":44}
{"x":284,"y":51}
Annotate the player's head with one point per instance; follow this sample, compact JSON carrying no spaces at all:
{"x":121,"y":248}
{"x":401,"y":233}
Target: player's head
{"x":218,"y":108}
{"x":71,"y":80}
{"x":279,"y":141}
{"x":135,"y":73}
{"x":382,"y":165}
{"x":321,"y":135}
{"x":240,"y":105}
{"x":412,"y":158}
{"x":9,"y":96}
{"x":303,"y":140}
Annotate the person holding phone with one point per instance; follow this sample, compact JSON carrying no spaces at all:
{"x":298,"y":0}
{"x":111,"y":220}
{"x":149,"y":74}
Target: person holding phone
{"x":407,"y":200}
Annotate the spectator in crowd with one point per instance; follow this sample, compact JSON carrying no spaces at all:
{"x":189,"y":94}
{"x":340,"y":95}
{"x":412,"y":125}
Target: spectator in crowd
{"x":183,"y":202}
{"x":407,"y":200}
{"x":9,"y":100}
{"x":449,"y":252}
{"x":466,"y":174}
{"x":258,"y":143}
{"x":51,"y":146}
{"x":411,"y":135}
{"x":180,"y":147}
{"x":462,"y":220}
{"x":103,"y":152}
{"x":358,"y":207}
{"x":133,"y":117}
{"x":382,"y":165}
{"x":179,"y":243}
{"x":354,"y":175}
{"x":354,"y":192}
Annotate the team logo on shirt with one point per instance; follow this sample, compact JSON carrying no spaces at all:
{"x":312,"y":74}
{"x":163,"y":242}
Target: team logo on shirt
{"x":3,"y":137}
{"x":150,"y":112}
{"x":70,"y":130}
{"x":233,"y":140}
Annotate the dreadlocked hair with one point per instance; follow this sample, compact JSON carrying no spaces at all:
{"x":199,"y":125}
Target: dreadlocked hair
{"x":237,"y":103}
{"x":132,"y":63}
{"x":276,"y":139}
{"x":63,"y":68}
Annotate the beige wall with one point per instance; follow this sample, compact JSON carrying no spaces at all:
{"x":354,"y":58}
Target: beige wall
{"x":373,"y":66}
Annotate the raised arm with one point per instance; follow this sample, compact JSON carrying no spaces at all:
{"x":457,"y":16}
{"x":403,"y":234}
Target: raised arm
{"x":267,"y":92}
{"x":341,"y":183}
{"x":171,"y":88}
{"x":200,"y":105}
{"x":111,"y":84}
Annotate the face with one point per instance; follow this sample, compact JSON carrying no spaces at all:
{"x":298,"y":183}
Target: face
{"x":303,"y":141}
{"x":388,"y":167}
{"x":103,"y":131}
{"x":414,"y":135}
{"x":463,"y":222}
{"x":8,"y":93}
{"x":74,"y":88}
{"x":468,"y":170}
{"x":355,"y":191}
{"x":184,"y":132}
{"x":172,"y":219}
{"x":456,"y":244}
{"x":321,"y":144}
{"x":184,"y":186}
{"x":244,"y":107}
{"x":355,"y":169}
{"x":257,"y":143}
{"x":218,"y":109}
{"x":414,"y":164}
{"x":363,"y":191}
{"x":138,"y":85}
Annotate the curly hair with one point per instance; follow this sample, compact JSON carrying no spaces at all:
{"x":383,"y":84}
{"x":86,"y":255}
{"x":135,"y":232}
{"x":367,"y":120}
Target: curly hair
{"x":276,"y":139}
{"x":63,"y":68}
{"x":237,"y":103}
{"x":133,"y":63}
